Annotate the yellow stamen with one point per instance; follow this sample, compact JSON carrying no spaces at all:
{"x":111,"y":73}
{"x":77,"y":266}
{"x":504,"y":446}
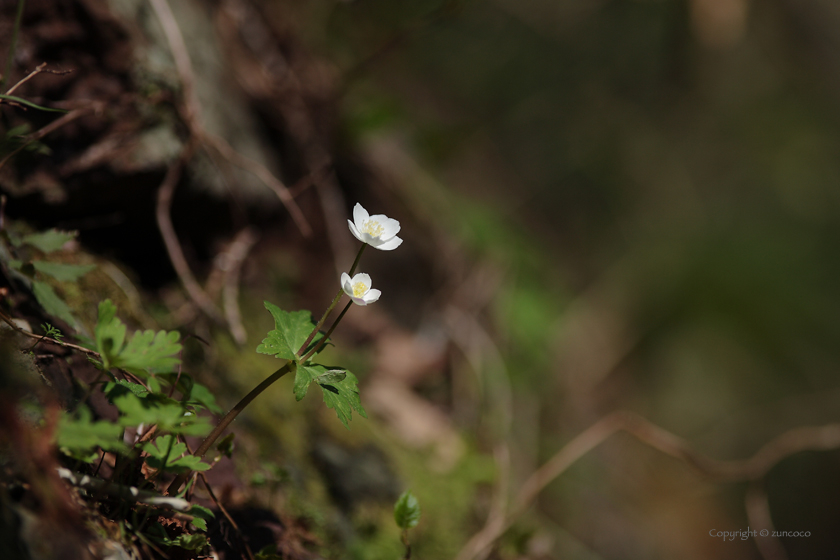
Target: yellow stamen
{"x":359,"y":289}
{"x":373,"y":228}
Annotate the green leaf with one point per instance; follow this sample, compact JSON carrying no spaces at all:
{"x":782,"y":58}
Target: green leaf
{"x":146,"y":351}
{"x":51,"y":303}
{"x":341,"y":393}
{"x":51,"y":331}
{"x":268,"y":552}
{"x":157,"y":533}
{"x":17,"y":131}
{"x":30,"y":104}
{"x":79,"y":435}
{"x":63,"y":272}
{"x":202,"y":512}
{"x":407,"y":511}
{"x":113,"y":389}
{"x":150,"y":351}
{"x":50,"y":240}
{"x":332,"y":377}
{"x":225,"y":445}
{"x":201,"y":515}
{"x":290,"y":332}
{"x":304,"y":376}
{"x":199,"y":394}
{"x":109,"y":333}
{"x":167,"y":414}
{"x":165,"y":454}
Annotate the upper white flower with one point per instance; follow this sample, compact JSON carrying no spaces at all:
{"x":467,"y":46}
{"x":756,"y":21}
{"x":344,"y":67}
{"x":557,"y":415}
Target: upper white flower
{"x":378,"y":231}
{"x":358,"y":288}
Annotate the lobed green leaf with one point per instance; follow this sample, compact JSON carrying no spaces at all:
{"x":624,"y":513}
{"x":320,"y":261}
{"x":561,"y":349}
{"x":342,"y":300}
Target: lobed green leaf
{"x":146,"y":351}
{"x":339,"y":387}
{"x":407,"y":511}
{"x":63,"y":272}
{"x":150,"y":351}
{"x":169,"y":415}
{"x":81,"y":434}
{"x":165,"y":454}
{"x":291,"y":329}
{"x":50,"y":240}
{"x":51,"y":303}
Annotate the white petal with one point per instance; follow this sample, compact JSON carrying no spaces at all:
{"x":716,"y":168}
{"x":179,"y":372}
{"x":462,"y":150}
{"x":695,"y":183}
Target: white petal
{"x":389,"y":245}
{"x":346,"y":283}
{"x":356,"y":233}
{"x":358,"y":300}
{"x":372,"y":296}
{"x":359,"y":216}
{"x":390,"y":228}
{"x":363,"y":278}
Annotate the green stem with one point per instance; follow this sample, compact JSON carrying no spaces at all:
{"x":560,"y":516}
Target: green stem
{"x":225,"y":422}
{"x":358,"y":257}
{"x":10,"y":57}
{"x":332,"y":305}
{"x":246,"y":400}
{"x":324,"y":340}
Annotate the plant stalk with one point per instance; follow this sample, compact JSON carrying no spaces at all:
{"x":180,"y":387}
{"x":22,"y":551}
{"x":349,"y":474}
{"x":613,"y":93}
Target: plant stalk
{"x":332,"y":305}
{"x":323,"y":341}
{"x":246,"y":400}
{"x":226,"y":421}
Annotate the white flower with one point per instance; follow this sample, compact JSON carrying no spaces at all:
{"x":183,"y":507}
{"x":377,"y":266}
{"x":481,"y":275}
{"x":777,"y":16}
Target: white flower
{"x":358,"y":288}
{"x":378,"y":231}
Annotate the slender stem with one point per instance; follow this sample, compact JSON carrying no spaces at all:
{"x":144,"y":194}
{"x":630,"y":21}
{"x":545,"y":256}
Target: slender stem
{"x":13,"y":44}
{"x":246,"y":400}
{"x":404,"y":537}
{"x":225,"y":422}
{"x":321,"y":322}
{"x":332,"y":305}
{"x":358,"y":257}
{"x":323,"y":341}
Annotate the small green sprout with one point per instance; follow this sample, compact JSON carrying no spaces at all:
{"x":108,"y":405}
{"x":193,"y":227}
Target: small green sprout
{"x":407,"y":516}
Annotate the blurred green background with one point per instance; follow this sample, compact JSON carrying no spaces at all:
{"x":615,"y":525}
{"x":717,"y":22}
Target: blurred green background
{"x":650,"y":188}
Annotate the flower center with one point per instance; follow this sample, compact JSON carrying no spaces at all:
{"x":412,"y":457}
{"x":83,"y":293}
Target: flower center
{"x":359,"y":289}
{"x":373,"y":228}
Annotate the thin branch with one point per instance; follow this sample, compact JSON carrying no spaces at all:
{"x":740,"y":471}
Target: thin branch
{"x":56,"y":124}
{"x":38,"y":69}
{"x":234,"y":259}
{"x":818,"y":438}
{"x":170,"y":238}
{"x":227,"y":516}
{"x":227,"y":420}
{"x":181,"y":56}
{"x":8,"y":320}
{"x":262,"y":173}
{"x":193,"y":112}
{"x":758,"y":515}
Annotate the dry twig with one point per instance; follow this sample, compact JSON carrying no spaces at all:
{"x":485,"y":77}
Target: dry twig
{"x":170,"y":238}
{"x":53,"y":126}
{"x":753,"y":469}
{"x":234,"y":259}
{"x":758,"y":514}
{"x":38,"y":69}
{"x":8,"y":320}
{"x":192,"y":112}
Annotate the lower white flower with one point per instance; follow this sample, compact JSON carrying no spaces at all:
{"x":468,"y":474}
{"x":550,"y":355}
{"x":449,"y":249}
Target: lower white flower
{"x":358,"y":288}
